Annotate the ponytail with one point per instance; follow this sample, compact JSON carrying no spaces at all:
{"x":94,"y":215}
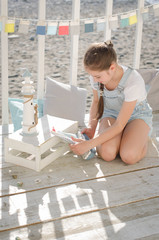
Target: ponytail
{"x":101,"y":102}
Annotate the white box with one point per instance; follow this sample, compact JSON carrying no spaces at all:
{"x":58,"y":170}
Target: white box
{"x":37,"y":151}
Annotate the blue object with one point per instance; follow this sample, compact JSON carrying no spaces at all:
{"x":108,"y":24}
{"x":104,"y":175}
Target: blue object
{"x":40,"y":30}
{"x":16,"y":111}
{"x":92,"y":151}
{"x":88,"y":155}
{"x":88,"y":27}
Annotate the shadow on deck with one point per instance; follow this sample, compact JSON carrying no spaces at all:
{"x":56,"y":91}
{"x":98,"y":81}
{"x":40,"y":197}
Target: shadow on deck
{"x":77,"y":199}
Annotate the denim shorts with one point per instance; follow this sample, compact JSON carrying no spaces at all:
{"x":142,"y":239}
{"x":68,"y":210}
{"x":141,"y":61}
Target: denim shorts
{"x":142,"y":111}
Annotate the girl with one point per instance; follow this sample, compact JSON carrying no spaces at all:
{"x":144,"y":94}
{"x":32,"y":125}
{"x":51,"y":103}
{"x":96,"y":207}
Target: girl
{"x":119,"y":104}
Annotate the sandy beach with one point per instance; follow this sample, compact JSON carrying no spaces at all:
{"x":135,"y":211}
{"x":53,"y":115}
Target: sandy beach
{"x":23,"y":48}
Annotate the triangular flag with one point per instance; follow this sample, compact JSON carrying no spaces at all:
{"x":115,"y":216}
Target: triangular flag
{"x":113,"y":22}
{"x":52,"y":28}
{"x":156,"y":10}
{"x":124,"y":20}
{"x":64,"y":28}
{"x":132,"y":18}
{"x":23,"y":26}
{"x":145,"y":14}
{"x":100,"y":25}
{"x":89,"y":26}
{"x":74,"y":28}
{"x":9,"y":26}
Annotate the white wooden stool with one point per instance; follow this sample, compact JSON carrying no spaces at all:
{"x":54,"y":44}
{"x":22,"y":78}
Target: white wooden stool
{"x":36,"y":152}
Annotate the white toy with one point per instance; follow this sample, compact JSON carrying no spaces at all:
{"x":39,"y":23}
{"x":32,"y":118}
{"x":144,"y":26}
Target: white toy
{"x":30,"y":119}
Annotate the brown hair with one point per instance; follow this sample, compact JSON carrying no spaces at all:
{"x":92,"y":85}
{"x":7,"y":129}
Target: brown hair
{"x":99,"y":57}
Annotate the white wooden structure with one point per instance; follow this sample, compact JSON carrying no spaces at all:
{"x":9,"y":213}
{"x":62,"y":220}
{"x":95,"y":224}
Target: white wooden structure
{"x":40,"y":149}
{"x":70,"y":198}
{"x":74,"y":48}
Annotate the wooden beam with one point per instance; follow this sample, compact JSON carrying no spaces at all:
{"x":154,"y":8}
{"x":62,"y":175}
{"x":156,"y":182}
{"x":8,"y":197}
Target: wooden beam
{"x":74,"y":43}
{"x":4,"y":63}
{"x":108,"y":13}
{"x":138,"y":37}
{"x":41,"y":52}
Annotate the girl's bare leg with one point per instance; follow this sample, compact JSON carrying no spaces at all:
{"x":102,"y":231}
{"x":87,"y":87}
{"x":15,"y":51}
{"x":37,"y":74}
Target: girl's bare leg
{"x":109,"y":149}
{"x":134,"y":141}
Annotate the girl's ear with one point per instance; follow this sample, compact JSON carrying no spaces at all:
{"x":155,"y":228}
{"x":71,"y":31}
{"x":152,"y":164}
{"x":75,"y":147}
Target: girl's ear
{"x":112,"y":67}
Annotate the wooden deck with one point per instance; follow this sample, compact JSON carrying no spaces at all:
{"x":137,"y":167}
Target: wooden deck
{"x":74,"y":199}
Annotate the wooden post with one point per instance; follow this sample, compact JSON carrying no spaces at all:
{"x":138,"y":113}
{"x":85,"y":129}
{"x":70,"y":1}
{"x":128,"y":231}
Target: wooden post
{"x":41,"y":52}
{"x":4,"y":63}
{"x":74,"y":43}
{"x":108,"y":13}
{"x":138,"y":38}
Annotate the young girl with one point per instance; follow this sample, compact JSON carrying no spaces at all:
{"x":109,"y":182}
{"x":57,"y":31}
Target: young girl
{"x":119,"y":104}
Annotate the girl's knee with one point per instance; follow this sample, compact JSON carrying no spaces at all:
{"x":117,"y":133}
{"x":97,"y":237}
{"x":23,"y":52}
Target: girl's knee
{"x":129,"y":156}
{"x":107,"y":153}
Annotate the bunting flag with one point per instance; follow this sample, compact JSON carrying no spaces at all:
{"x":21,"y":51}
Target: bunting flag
{"x":100,"y":25}
{"x":9,"y":26}
{"x":113,"y":22}
{"x":145,"y":14}
{"x":156,"y":10}
{"x":52,"y":28}
{"x":124,"y":20}
{"x":74,"y":28}
{"x":23,"y":26}
{"x":132,"y":18}
{"x":64,"y":28}
{"x":41,"y":28}
{"x":89,"y":26}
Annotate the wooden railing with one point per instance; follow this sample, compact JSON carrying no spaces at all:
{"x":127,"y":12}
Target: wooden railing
{"x":74,"y":47}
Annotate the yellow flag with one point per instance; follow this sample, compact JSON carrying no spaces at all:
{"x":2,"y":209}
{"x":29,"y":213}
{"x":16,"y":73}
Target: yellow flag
{"x":9,"y":27}
{"x":132,"y":19}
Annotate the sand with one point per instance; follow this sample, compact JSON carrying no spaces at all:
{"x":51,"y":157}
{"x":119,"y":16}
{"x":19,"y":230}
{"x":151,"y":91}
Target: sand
{"x":23,"y":48}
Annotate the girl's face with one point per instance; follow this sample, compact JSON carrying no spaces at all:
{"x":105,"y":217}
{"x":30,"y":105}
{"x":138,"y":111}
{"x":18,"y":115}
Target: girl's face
{"x":101,"y":76}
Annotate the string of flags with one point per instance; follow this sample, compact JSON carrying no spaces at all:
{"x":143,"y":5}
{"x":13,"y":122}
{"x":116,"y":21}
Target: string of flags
{"x":66,"y":27}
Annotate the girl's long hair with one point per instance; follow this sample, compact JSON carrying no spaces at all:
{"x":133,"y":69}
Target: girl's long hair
{"x":100,"y":102}
{"x":99,"y":57}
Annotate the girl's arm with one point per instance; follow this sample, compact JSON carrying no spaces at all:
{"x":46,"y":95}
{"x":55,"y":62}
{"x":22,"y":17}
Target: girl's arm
{"x":92,"y":124}
{"x":109,"y":133}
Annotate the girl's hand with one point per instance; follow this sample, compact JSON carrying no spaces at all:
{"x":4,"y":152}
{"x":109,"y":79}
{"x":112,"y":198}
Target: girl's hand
{"x":89,"y":132}
{"x":80,"y":147}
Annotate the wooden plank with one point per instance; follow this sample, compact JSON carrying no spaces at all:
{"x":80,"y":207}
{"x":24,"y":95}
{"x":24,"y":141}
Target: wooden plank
{"x":132,"y":221}
{"x":21,"y":161}
{"x":80,"y":198}
{"x":54,"y":155}
{"x":68,"y":169}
